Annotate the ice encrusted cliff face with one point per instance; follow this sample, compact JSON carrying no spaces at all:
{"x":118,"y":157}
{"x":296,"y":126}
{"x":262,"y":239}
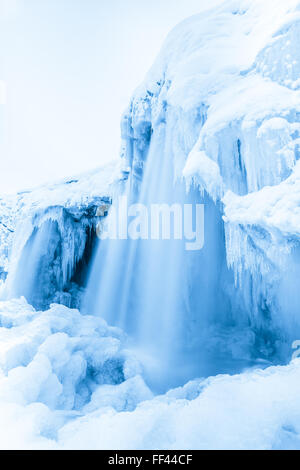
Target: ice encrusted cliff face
{"x":219,"y":115}
{"x":226,"y":85}
{"x":48,"y":237}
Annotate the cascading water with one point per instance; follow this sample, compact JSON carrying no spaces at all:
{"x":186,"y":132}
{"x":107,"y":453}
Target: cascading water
{"x":50,"y":258}
{"x":164,"y":296}
{"x":34,"y":279}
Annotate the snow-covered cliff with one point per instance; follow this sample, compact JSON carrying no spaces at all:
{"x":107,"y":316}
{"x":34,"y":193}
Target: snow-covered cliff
{"x":227,"y":84}
{"x":48,"y":236}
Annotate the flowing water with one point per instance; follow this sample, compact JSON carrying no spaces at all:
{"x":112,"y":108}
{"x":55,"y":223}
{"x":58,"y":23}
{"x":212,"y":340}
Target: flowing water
{"x":163,"y":296}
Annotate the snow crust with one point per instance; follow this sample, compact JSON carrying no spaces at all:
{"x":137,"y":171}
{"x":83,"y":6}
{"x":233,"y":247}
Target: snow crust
{"x":56,"y":366}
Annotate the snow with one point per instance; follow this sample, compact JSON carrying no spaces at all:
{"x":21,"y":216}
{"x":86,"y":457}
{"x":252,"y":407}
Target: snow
{"x":63,"y":360}
{"x":74,"y":193}
{"x":226,"y":85}
{"x":255,"y":410}
{"x":222,"y":102}
{"x":271,"y":218}
{"x":275,"y":208}
{"x":241,"y":64}
{"x":238,"y":62}
{"x":204,"y":172}
{"x":57,"y":392}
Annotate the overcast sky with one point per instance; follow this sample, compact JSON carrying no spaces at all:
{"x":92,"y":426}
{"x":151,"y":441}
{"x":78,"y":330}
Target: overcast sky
{"x":70,"y":67}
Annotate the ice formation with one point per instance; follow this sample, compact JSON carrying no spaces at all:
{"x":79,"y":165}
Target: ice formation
{"x":54,"y":236}
{"x":212,"y":115}
{"x":216,"y":121}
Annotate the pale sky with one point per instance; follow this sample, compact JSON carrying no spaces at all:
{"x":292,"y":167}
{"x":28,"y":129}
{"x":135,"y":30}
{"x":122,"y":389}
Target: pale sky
{"x":70,"y":67}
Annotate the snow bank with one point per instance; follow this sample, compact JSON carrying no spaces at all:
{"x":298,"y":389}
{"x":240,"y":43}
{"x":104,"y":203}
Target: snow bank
{"x":68,"y":381}
{"x":254,"y":410}
{"x":47,"y":232}
{"x":75,"y":192}
{"x":55,"y":366}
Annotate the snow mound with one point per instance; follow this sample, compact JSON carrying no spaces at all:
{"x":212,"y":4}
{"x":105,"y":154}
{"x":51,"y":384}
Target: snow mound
{"x":254,"y":410}
{"x":60,"y":364}
{"x":67,"y":381}
{"x":48,"y":231}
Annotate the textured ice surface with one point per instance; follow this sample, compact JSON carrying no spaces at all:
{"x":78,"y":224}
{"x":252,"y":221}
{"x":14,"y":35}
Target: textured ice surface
{"x":254,"y":410}
{"x":227,"y":84}
{"x":68,"y":381}
{"x":46,"y":232}
{"x":61,"y":364}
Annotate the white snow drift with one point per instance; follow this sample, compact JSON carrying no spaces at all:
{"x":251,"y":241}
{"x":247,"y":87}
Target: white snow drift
{"x":228,"y":83}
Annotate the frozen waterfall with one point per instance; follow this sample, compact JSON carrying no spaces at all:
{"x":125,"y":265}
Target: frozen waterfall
{"x":96,"y":332}
{"x":225,"y":136}
{"x":170,"y":301}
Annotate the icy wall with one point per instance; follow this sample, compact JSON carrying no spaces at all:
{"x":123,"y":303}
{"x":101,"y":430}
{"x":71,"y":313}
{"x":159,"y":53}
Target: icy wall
{"x":217,"y":115}
{"x":226,"y":89}
{"x":53,"y":237}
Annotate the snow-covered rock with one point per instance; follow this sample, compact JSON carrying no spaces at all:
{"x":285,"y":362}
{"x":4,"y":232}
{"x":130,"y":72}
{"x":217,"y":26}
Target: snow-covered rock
{"x":67,"y":381}
{"x":48,"y":231}
{"x":61,"y":364}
